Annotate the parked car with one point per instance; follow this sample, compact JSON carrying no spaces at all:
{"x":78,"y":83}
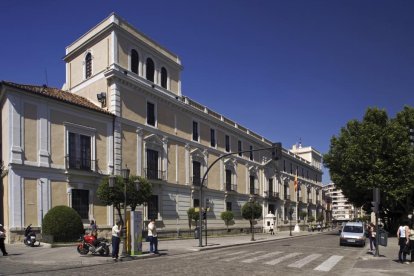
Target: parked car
{"x":353,"y":233}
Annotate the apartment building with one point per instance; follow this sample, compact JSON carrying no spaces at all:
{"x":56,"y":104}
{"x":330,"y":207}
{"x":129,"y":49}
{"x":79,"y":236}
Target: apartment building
{"x":122,"y":106}
{"x":341,"y":209}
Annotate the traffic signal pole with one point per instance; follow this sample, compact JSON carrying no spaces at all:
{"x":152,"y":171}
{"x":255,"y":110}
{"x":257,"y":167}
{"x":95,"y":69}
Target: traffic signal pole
{"x":375,"y":208}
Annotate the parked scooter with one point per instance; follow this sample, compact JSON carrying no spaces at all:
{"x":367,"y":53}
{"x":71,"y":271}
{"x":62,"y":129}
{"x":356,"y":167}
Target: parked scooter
{"x":30,"y":237}
{"x":89,"y":243}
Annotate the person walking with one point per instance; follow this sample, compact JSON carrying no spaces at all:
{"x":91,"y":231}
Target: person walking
{"x":271,"y":230}
{"x":2,"y":238}
{"x":153,"y":238}
{"x":116,"y":239}
{"x":403,"y":234}
{"x":371,"y":237}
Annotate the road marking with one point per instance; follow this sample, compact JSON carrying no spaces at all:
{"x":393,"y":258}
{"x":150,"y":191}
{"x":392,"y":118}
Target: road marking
{"x":278,"y":260}
{"x":228,"y":254}
{"x":304,"y":261}
{"x":251,"y":260}
{"x":329,"y":263}
{"x":246,"y":255}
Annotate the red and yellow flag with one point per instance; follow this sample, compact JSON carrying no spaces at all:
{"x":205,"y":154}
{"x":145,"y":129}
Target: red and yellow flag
{"x":295,"y":182}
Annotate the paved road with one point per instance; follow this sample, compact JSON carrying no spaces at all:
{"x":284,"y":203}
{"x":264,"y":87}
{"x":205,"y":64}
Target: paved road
{"x":308,"y":255}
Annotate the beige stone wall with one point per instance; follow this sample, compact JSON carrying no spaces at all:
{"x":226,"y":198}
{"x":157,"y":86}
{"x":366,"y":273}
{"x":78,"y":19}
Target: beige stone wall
{"x":100,"y":212}
{"x":181,"y":165}
{"x":58,"y":118}
{"x":6,"y":206}
{"x":101,"y":56}
{"x":129,"y":148}
{"x":90,"y":91}
{"x":59,"y":193}
{"x":30,"y":202}
{"x":133,"y":106}
{"x":241,"y":178}
{"x":166,"y":117}
{"x":172,"y":164}
{"x":30,"y":132}
{"x":214,"y":181}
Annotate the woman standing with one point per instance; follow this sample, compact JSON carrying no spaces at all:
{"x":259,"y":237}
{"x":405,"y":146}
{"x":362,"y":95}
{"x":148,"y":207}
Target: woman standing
{"x":153,"y":238}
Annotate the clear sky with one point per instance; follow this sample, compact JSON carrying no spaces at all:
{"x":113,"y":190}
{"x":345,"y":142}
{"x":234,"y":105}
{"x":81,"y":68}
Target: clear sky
{"x":284,"y":69}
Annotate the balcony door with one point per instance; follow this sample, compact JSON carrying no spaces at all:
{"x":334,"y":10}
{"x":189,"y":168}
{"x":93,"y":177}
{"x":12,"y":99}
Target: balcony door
{"x":152,"y":164}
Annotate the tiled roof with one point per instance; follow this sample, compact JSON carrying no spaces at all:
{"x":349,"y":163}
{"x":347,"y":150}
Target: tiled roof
{"x":57,"y":94}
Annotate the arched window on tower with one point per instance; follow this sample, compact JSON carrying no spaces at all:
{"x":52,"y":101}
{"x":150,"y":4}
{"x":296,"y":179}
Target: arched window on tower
{"x":164,"y":76}
{"x":150,"y":70}
{"x":134,"y":61}
{"x":88,"y":65}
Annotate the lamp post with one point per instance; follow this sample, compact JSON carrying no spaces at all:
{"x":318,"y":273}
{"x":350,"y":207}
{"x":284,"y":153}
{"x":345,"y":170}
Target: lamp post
{"x":290,"y":221}
{"x":251,"y":203}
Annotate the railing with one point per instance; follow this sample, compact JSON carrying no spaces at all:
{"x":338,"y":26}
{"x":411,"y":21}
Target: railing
{"x":231,"y":187}
{"x":196,"y":181}
{"x":154,"y":174}
{"x":300,"y":199}
{"x":80,"y":163}
{"x":274,"y":194}
{"x":254,"y":191}
{"x":287,"y":197}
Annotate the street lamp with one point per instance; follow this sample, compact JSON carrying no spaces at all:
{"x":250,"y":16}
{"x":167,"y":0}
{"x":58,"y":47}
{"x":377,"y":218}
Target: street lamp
{"x":251,"y":203}
{"x":290,"y":221}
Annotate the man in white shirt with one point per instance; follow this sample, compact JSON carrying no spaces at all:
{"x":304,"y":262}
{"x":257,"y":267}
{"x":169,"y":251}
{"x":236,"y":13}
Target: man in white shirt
{"x":116,"y":239}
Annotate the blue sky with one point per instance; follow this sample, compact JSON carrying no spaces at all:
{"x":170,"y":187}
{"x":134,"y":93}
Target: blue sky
{"x":285,"y":69}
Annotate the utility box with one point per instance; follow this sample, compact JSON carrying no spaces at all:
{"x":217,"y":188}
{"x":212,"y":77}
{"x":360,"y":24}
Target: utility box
{"x":197,"y":233}
{"x":383,"y":237}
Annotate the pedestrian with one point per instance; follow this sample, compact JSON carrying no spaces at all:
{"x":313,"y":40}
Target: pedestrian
{"x":271,"y":230}
{"x":403,"y":235}
{"x":2,"y":238}
{"x":412,"y":242}
{"x":319,"y":227}
{"x":94,"y":229}
{"x":116,"y":239}
{"x":371,"y":237}
{"x":152,"y":236}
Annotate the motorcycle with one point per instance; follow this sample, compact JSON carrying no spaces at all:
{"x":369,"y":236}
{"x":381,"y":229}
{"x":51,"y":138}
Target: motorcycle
{"x":89,"y":243}
{"x":30,"y":237}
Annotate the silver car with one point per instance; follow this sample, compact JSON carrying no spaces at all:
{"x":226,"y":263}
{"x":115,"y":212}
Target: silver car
{"x":353,"y":233}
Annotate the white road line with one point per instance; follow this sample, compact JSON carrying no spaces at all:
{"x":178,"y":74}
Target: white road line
{"x":246,"y":255}
{"x":281,"y":259}
{"x":251,"y":260}
{"x":329,"y":263}
{"x":228,"y":254}
{"x":305,"y":261}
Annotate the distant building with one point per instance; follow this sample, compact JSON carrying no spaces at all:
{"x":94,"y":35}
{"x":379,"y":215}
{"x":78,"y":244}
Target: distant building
{"x":342,"y":210}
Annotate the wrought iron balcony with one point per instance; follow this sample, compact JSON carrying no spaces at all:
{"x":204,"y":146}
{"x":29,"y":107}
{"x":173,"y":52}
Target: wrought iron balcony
{"x":272,"y":194}
{"x":154,"y":174}
{"x":254,"y":191}
{"x":231,"y":187}
{"x":287,"y":197}
{"x":196,"y":181}
{"x":77,"y":163}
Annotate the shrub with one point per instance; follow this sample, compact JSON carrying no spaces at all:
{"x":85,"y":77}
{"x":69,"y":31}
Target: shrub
{"x":192,"y":215}
{"x":63,"y":223}
{"x":228,"y":217}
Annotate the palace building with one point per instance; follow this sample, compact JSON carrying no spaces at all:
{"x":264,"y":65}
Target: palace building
{"x":121,"y":105}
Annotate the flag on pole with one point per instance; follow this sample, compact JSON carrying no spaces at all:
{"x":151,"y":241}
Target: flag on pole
{"x":295,"y":182}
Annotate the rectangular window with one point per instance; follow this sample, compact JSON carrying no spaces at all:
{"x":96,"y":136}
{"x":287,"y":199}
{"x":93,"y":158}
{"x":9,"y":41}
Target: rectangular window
{"x":272,"y":208}
{"x":79,"y":151}
{"x":213,"y":137}
{"x":80,"y":202}
{"x":251,"y":182}
{"x":152,"y":164}
{"x":227,"y":138}
{"x":228,"y":206}
{"x":239,"y":148}
{"x":150,"y":114}
{"x":251,"y":153}
{"x":291,"y":168}
{"x":196,"y":202}
{"x":196,"y":173}
{"x":270,"y":186}
{"x":153,"y":207}
{"x":228,"y":180}
{"x":195,"y":131}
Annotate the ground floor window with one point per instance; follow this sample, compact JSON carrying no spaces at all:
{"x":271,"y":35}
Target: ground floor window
{"x":272,"y":209}
{"x":196,"y":202}
{"x":153,"y":207}
{"x":228,"y":206}
{"x":80,"y":202}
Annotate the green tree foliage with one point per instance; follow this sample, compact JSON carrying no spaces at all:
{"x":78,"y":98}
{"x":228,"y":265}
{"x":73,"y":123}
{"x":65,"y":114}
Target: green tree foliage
{"x":115,"y":195}
{"x":193,"y":215}
{"x":319,"y":218}
{"x":251,"y":211}
{"x":375,"y":152}
{"x":227,"y":217}
{"x":311,"y":219}
{"x":63,"y":223}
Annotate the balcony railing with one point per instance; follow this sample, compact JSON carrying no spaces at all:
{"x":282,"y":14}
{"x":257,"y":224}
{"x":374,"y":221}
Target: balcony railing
{"x":254,"y":191}
{"x":231,"y":187}
{"x":287,"y":197}
{"x":300,"y":199}
{"x":78,"y":163}
{"x":272,"y":194}
{"x":196,"y":181}
{"x":154,"y":174}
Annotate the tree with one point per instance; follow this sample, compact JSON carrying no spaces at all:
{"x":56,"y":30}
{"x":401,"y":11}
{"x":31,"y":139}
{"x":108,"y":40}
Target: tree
{"x":192,"y":215}
{"x":63,"y":223}
{"x":375,"y":153}
{"x":227,"y":217}
{"x":311,"y":219}
{"x":251,"y":211}
{"x":320,"y":218}
{"x":115,"y":195}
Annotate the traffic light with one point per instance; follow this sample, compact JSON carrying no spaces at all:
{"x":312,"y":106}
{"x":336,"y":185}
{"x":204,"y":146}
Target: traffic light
{"x":277,"y":151}
{"x":375,"y":205}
